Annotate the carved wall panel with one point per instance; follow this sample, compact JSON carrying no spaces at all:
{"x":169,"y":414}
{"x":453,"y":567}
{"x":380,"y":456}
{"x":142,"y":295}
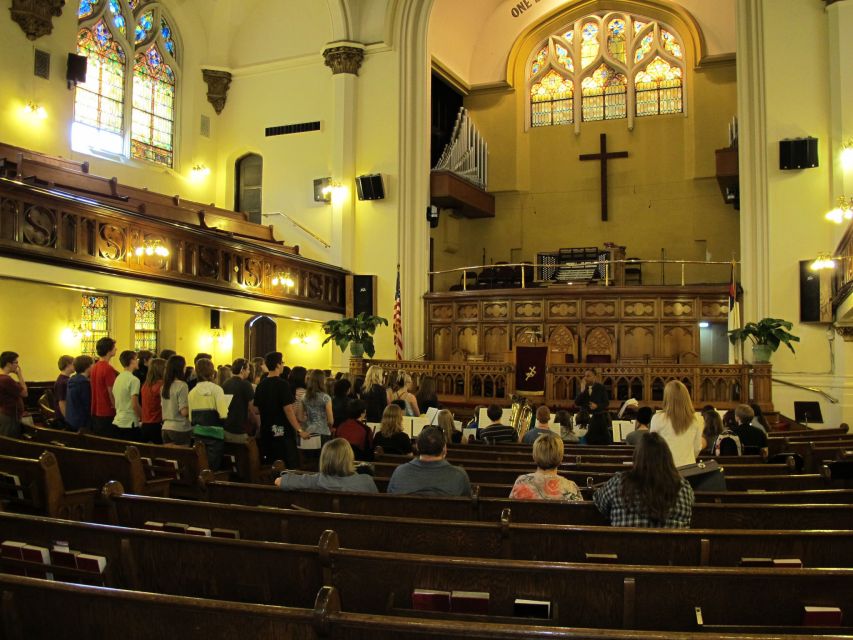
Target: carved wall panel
{"x":562,"y":344}
{"x":495,"y":310}
{"x":467,"y":339}
{"x":442,"y":344}
{"x":40,"y":226}
{"x":467,"y":310}
{"x":637,"y":341}
{"x":562,"y":309}
{"x":599,"y":309}
{"x":441,"y":312}
{"x":527,"y":334}
{"x":634,"y":308}
{"x":676,"y":340}
{"x":715,"y":309}
{"x":495,"y":339}
{"x":600,"y":341}
{"x":680,"y":308}
{"x":527,"y":310}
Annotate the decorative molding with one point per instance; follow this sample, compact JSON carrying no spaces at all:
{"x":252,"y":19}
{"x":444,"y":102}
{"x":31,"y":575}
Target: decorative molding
{"x":218,"y":83}
{"x":35,"y":17}
{"x":845,"y":331}
{"x":344,"y":58}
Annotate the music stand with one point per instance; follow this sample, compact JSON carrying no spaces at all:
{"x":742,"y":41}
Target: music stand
{"x":807,"y":411}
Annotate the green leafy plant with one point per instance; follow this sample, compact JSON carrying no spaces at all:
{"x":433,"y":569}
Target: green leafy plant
{"x":358,"y":331}
{"x":770,"y":332}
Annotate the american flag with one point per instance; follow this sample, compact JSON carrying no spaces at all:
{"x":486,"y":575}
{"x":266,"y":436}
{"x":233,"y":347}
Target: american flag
{"x":398,"y":323}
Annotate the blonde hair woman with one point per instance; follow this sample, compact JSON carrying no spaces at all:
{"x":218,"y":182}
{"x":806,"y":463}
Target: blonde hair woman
{"x":546,"y":483}
{"x":401,"y":395}
{"x":678,"y":424}
{"x":391,"y":437}
{"x":337,"y":472}
{"x":374,"y":394}
{"x":444,"y":420}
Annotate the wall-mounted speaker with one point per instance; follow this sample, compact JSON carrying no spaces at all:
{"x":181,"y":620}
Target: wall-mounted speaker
{"x":361,"y":295}
{"x":799,"y":153}
{"x":370,"y":187}
{"x":76,"y":71}
{"x":215,"y":319}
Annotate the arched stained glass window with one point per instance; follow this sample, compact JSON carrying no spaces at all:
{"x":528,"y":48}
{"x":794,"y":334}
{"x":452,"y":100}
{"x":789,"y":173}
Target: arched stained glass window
{"x":146,"y":325}
{"x":658,"y":89}
{"x":133,"y":74}
{"x":552,"y":100}
{"x":94,"y":321}
{"x":604,"y":94}
{"x":599,"y":54}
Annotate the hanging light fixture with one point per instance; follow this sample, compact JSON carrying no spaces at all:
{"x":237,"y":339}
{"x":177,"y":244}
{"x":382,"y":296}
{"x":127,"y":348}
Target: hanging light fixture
{"x":847,"y":155}
{"x":824,"y":261}
{"x":844,"y":210}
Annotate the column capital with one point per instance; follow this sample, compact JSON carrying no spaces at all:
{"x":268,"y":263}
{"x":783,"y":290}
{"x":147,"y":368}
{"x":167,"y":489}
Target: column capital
{"x":218,"y":83}
{"x":344,"y":57}
{"x":35,"y":17}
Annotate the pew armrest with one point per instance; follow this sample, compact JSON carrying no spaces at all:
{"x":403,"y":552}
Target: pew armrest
{"x":158,"y":487}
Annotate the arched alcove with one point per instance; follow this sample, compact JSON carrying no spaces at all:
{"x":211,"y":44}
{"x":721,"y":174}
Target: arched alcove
{"x":261,"y":334}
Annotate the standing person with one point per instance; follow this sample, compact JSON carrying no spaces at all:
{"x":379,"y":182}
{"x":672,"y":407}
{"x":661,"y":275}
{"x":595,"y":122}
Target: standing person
{"x":238,"y":386}
{"x":296,"y":378}
{"x":208,"y":410}
{"x":375,"y":395}
{"x":641,"y":425}
{"x":174,"y":403}
{"x":340,"y":401}
{"x":144,"y":356}
{"x":279,"y":426}
{"x":543,"y":417}
{"x":391,"y":437}
{"x":400,"y":393}
{"x":191,"y":376}
{"x":126,"y":387}
{"x":102,"y":378}
{"x":152,"y":405}
{"x":165,"y":354}
{"x":678,"y":424}
{"x":259,"y":370}
{"x":426,"y":397}
{"x":60,"y":388}
{"x":316,"y":407}
{"x":78,"y":401}
{"x":12,"y":394}
{"x":546,"y":483}
{"x":593,"y":399}
{"x":651,"y":493}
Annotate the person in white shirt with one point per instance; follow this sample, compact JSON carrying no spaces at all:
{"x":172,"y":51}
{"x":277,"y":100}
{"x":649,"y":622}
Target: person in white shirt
{"x":678,"y":424}
{"x":128,"y":418}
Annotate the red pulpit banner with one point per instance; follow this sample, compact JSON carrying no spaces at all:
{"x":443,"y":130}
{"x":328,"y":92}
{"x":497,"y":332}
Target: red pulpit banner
{"x":530,"y":363}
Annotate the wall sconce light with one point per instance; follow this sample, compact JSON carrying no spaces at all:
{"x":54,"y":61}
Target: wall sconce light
{"x":199,"y":171}
{"x":152,"y":248}
{"x":844,"y":210}
{"x":847,"y":155}
{"x":322,"y":190}
{"x":824,"y":261}
{"x":283,"y":279}
{"x":35,"y":110}
{"x":75,"y":332}
{"x":300,"y":338}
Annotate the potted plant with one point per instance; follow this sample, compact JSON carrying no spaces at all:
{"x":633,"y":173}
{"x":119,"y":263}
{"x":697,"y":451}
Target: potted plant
{"x":357,"y":331}
{"x":766,"y":335}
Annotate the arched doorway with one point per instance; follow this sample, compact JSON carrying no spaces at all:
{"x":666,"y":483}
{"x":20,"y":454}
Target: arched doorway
{"x":260,"y":337}
{"x":249,"y":172}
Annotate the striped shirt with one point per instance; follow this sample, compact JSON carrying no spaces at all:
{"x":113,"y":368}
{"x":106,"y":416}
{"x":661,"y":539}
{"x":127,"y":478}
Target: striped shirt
{"x":498,"y":434}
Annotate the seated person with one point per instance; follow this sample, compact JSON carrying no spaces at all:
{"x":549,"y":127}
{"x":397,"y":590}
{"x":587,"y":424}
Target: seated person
{"x":391,"y":436}
{"x":567,"y":429}
{"x":355,"y":430}
{"x":641,"y":425}
{"x":749,"y":435}
{"x":430,"y":474}
{"x":495,"y":432}
{"x":545,"y":483}
{"x":543,"y":417}
{"x":444,"y":420}
{"x":651,"y":494}
{"x":337,"y":472}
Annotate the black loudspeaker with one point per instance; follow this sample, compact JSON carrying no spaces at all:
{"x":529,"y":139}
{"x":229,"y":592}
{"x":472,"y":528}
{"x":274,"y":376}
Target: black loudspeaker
{"x":799,"y":153}
{"x":370,"y":187}
{"x":76,"y":71}
{"x":361,"y":295}
{"x":215,"y":319}
{"x":815,"y":293}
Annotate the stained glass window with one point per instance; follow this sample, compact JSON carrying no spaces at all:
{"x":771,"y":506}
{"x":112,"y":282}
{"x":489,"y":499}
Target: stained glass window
{"x":146,"y":326}
{"x":136,"y":60}
{"x":95,"y":321}
{"x":658,"y":89}
{"x":604,"y":94}
{"x":551,"y":101}
{"x":153,"y":108}
{"x":616,"y":39}
{"x":613,"y":49}
{"x":589,"y":45}
{"x":99,"y":100}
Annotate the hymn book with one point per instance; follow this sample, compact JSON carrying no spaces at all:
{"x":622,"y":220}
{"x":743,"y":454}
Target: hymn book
{"x":430,"y":600}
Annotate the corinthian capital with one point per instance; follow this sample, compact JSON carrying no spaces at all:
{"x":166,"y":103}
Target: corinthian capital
{"x":344,"y":57}
{"x":35,"y":17}
{"x":217,"y":87}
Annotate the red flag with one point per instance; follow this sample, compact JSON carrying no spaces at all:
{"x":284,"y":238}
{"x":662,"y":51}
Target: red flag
{"x":398,"y":323}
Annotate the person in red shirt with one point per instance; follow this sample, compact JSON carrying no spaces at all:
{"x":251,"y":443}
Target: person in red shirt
{"x":12,"y":394}
{"x":152,"y":411}
{"x":102,"y":377}
{"x":355,"y":430}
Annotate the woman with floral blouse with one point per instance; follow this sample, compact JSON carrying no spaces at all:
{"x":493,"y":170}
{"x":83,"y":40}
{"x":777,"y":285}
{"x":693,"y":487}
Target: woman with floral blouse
{"x":545,"y":483}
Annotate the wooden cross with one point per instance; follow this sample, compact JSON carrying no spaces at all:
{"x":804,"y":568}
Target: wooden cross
{"x":603,"y":156}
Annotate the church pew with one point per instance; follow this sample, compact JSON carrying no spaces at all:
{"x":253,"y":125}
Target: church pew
{"x":504,"y":538}
{"x":632,"y":597}
{"x":475,"y":453}
{"x":83,"y":468}
{"x":42,"y":609}
{"x":41,"y":489}
{"x":705,"y":515}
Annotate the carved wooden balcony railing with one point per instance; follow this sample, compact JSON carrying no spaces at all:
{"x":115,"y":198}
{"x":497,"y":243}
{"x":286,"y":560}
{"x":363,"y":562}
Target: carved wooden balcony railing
{"x":55,"y":227}
{"x":470,"y":383}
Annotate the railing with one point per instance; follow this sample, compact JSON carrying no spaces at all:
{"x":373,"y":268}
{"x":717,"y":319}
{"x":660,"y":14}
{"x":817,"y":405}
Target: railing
{"x":50,"y":226}
{"x":471,"y":383}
